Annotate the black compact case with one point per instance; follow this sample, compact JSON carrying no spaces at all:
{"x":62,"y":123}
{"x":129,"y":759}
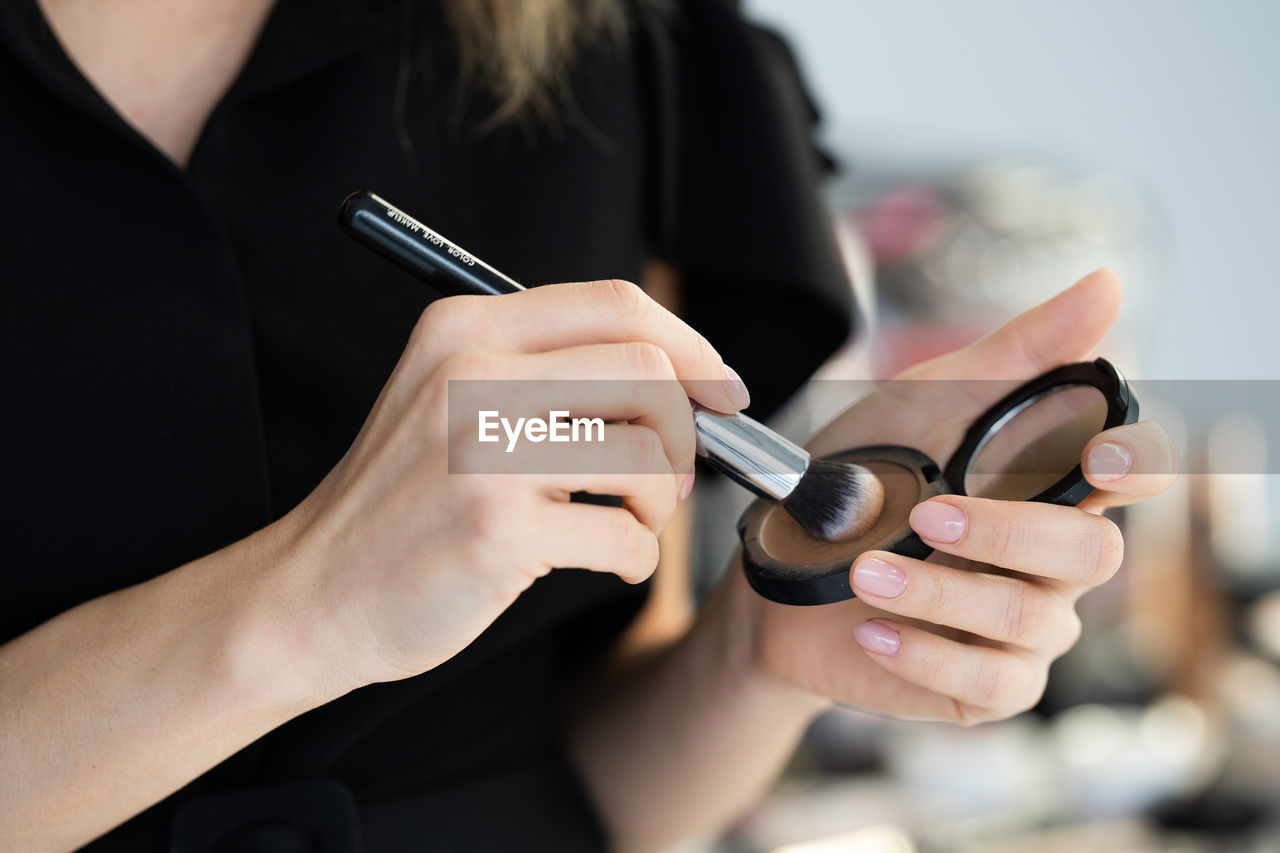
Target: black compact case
{"x":1027,"y":446}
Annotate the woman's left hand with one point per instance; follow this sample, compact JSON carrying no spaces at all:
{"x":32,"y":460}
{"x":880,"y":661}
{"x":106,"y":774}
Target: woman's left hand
{"x":967,"y":635}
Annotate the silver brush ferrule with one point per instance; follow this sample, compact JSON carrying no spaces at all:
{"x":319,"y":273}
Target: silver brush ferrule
{"x":749,"y":453}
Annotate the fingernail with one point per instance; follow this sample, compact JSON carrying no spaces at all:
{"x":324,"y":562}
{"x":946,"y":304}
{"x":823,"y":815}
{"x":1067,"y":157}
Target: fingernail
{"x":938,"y":521}
{"x":877,"y":638}
{"x":687,"y":486}
{"x":876,"y":577}
{"x":735,"y":388}
{"x":1108,"y":461}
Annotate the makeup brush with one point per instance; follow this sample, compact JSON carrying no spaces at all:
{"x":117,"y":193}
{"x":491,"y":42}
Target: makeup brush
{"x":830,"y":500}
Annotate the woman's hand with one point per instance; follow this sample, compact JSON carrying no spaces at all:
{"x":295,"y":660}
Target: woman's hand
{"x":392,"y":565}
{"x":969,"y":634}
{"x":404,"y":554}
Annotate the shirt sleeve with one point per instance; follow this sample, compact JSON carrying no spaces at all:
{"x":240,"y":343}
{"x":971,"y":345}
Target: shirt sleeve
{"x":735,"y":198}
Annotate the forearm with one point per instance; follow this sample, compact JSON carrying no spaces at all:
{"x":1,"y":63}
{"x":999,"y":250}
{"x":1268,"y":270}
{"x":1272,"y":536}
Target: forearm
{"x":111,"y":706}
{"x":682,"y":746}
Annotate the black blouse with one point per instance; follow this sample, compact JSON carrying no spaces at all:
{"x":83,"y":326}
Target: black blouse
{"x":187,"y":353}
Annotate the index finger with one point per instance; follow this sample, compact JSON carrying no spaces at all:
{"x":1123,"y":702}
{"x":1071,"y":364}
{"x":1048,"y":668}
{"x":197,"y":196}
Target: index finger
{"x":930,"y":405}
{"x":614,"y":311}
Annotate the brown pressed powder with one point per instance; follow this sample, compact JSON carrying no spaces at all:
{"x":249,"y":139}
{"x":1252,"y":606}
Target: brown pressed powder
{"x":786,"y":563}
{"x":783,"y":539}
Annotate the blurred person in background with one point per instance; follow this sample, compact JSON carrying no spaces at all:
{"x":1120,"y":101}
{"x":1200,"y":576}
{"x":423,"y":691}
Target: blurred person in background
{"x":250,"y":609}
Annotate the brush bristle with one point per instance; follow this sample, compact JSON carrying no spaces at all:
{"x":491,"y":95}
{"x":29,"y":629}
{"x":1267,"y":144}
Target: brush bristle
{"x":835,"y":500}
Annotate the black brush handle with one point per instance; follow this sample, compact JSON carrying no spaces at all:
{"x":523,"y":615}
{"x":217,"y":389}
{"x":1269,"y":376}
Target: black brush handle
{"x":404,"y":240}
{"x":746,"y":450}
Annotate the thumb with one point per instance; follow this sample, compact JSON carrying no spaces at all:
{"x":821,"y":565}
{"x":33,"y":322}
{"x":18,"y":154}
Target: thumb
{"x":1061,"y":330}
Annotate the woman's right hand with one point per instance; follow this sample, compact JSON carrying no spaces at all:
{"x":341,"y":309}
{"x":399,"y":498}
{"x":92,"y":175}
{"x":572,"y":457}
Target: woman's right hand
{"x":394,"y":563}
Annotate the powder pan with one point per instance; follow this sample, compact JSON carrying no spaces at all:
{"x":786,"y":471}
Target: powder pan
{"x":786,"y":564}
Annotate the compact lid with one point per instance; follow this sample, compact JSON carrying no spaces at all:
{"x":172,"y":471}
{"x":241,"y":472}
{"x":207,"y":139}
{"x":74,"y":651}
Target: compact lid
{"x":1027,"y":446}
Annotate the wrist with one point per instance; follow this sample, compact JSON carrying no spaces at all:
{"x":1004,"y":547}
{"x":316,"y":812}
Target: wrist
{"x":732,"y":617}
{"x":279,"y":645}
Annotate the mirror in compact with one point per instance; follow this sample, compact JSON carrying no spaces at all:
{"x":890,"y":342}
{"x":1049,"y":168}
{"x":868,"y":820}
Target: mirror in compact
{"x":1025,"y":447}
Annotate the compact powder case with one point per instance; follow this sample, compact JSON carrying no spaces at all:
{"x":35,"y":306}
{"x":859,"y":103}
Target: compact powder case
{"x":785,"y":563}
{"x":1025,"y":447}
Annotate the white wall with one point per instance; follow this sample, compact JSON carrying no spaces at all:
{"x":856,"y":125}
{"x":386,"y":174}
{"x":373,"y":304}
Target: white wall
{"x":1183,"y":97}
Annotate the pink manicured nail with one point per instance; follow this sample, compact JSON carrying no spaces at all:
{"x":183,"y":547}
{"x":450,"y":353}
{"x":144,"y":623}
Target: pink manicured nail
{"x":687,"y":486}
{"x":1108,"y":461}
{"x":938,"y":521}
{"x":736,"y":388}
{"x":876,"y":577}
{"x":877,"y":638}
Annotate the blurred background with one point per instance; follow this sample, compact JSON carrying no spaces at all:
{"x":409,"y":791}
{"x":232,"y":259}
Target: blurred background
{"x":992,"y":152}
